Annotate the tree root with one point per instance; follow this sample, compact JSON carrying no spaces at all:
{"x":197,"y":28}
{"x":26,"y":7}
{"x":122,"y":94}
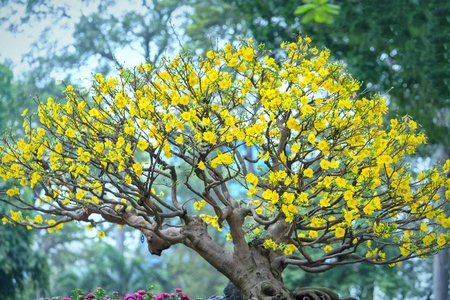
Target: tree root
{"x":317,"y":293}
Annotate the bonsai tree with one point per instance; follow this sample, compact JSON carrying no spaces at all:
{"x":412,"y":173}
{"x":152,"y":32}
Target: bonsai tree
{"x":286,"y":159}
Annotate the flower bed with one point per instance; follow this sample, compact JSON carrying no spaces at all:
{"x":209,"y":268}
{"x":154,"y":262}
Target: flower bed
{"x":100,"y":294}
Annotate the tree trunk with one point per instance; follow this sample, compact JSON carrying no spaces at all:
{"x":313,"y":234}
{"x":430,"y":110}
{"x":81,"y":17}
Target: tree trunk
{"x":250,"y":267}
{"x":440,"y":276}
{"x":120,"y":240}
{"x":256,"y":278}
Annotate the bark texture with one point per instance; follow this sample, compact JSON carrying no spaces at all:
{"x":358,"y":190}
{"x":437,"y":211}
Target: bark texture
{"x":441,"y":276}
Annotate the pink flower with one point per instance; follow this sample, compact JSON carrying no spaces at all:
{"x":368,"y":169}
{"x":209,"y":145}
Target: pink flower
{"x":178,"y":290}
{"x":161,"y":296}
{"x":89,"y":296}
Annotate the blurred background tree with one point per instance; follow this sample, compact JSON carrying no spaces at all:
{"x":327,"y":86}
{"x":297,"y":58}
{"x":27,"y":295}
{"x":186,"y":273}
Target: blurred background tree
{"x":24,"y":271}
{"x":400,"y":47}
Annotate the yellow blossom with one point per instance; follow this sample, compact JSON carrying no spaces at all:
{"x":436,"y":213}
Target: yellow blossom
{"x":38,"y":219}
{"x":142,"y":145}
{"x":312,"y":138}
{"x":324,"y":164}
{"x":339,"y":232}
{"x":327,"y":248}
{"x":423,"y":227}
{"x":252,"y":179}
{"x":199,"y":204}
{"x":270,"y":244}
{"x":308,"y":172}
{"x":209,"y":137}
{"x":179,"y":139}
{"x":137,"y":168}
{"x":441,"y":240}
{"x":289,"y":249}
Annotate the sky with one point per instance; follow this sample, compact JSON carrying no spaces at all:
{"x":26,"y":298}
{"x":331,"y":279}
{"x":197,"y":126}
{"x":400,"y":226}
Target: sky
{"x":14,"y":46}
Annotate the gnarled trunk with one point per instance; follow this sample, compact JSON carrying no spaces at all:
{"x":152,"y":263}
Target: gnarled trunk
{"x":256,"y":278}
{"x":250,"y":269}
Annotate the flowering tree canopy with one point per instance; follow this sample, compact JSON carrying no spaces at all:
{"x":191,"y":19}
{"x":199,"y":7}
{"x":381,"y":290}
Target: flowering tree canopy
{"x":286,"y":158}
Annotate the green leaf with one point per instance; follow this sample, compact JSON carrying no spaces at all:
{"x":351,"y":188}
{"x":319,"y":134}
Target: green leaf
{"x":332,"y":9}
{"x":304,"y":8}
{"x":127,"y":75}
{"x":320,"y":16}
{"x":308,"y":17}
{"x":329,"y":20}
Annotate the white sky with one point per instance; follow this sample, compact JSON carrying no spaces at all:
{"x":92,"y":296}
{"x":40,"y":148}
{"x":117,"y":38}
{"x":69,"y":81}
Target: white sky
{"x":13,"y":46}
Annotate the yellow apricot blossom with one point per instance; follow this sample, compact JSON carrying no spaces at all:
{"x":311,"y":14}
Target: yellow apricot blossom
{"x":142,"y":145}
{"x":308,"y":172}
{"x":339,"y":232}
{"x":137,"y":168}
{"x":251,"y":178}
